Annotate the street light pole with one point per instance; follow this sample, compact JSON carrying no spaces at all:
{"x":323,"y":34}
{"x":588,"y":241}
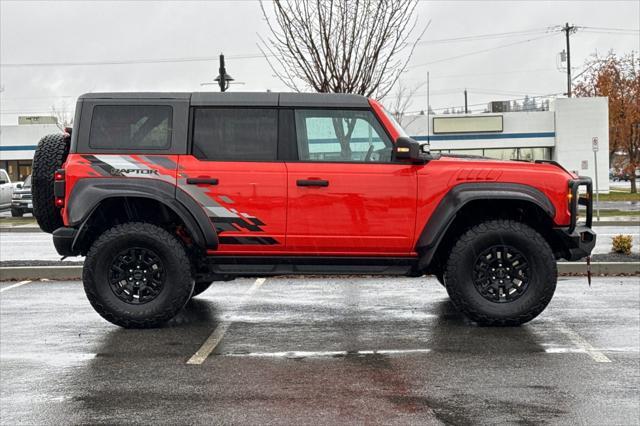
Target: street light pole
{"x":222,"y":71}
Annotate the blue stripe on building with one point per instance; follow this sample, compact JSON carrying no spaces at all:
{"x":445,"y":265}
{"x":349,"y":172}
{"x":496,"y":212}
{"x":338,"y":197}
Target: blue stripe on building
{"x":484,"y":136}
{"x":18,"y":148}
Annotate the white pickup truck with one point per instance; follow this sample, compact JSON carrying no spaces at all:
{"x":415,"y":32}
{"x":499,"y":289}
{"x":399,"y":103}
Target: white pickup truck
{"x":6,"y":190}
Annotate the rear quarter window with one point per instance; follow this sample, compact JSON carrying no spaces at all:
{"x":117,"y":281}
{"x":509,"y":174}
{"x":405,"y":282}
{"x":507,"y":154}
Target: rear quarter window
{"x":122,"y":127}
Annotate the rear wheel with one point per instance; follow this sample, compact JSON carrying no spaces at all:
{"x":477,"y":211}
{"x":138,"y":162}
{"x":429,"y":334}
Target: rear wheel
{"x":137,"y":275}
{"x":501,"y":272}
{"x":50,"y":154}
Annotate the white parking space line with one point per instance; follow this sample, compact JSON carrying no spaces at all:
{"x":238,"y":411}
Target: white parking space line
{"x":332,"y":354}
{"x":583,"y":345}
{"x":214,"y":339}
{"x":14,"y":286}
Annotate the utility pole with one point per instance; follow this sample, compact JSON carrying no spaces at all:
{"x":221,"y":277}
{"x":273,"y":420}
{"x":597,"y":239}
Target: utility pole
{"x":466,"y":109}
{"x":568,"y":29}
{"x":428,"y":111}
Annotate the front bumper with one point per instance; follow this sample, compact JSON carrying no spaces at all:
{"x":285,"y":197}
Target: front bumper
{"x":577,"y":244}
{"x":578,"y":239}
{"x":25,"y":205}
{"x":64,"y":239}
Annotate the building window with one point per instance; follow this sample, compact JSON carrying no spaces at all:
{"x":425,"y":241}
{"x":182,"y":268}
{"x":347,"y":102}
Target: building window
{"x":502,"y":153}
{"x":527,"y":154}
{"x":18,"y":170}
{"x":532,"y":154}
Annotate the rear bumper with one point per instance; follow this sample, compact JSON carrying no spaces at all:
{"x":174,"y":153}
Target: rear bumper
{"x":64,"y":239}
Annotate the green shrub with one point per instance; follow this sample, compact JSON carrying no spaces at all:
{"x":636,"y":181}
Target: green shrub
{"x":622,"y":244}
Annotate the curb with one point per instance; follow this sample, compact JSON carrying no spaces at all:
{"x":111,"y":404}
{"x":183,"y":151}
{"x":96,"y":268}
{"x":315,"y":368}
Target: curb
{"x":615,"y":223}
{"x":599,"y":268}
{"x":20,"y":229}
{"x":19,"y":273}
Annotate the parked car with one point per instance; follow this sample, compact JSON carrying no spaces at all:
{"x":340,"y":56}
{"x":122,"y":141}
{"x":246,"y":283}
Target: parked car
{"x":623,"y":176}
{"x":165,"y":193}
{"x":21,"y":201}
{"x":6,"y":189}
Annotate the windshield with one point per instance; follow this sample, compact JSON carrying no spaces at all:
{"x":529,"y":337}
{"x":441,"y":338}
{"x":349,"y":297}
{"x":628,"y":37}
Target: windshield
{"x":27,"y":182}
{"x":395,"y":123}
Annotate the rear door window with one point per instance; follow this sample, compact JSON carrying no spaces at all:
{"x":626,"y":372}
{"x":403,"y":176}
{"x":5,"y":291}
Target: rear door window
{"x":235,"y":134}
{"x":117,"y":127}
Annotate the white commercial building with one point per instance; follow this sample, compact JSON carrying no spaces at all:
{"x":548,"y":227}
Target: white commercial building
{"x":563,"y":134}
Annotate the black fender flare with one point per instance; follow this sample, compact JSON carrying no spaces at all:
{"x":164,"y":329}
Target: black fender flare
{"x":457,"y":197}
{"x":87,"y":194}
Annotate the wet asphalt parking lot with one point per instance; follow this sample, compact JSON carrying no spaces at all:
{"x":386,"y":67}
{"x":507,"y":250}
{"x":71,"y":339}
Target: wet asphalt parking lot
{"x":322,"y":350}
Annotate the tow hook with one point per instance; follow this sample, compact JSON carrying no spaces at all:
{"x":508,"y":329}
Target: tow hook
{"x":589,"y":270}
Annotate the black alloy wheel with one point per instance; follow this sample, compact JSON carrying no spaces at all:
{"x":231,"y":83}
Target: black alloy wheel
{"x":501,"y":274}
{"x":137,"y":275}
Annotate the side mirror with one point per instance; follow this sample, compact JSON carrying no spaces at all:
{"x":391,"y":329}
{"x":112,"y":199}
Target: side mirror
{"x":407,"y":149}
{"x":19,"y":185}
{"x":2,"y":181}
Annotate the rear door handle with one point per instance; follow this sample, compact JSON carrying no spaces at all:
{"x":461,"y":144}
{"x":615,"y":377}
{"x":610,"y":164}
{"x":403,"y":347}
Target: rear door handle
{"x":312,"y":182}
{"x":202,"y":181}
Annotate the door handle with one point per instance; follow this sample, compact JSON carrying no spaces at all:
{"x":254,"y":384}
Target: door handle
{"x":312,"y":182}
{"x":202,"y":181}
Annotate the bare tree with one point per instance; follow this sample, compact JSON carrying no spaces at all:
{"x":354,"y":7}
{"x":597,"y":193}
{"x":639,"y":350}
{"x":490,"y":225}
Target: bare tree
{"x":63,"y":115}
{"x":340,"y":46}
{"x":399,"y":103}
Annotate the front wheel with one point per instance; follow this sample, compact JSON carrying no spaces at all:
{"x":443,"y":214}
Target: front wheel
{"x":501,"y":272}
{"x":137,"y":275}
{"x":16,"y":212}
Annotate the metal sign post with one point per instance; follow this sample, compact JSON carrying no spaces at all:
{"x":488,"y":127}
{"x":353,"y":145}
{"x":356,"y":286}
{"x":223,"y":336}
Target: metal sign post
{"x":594,"y":146}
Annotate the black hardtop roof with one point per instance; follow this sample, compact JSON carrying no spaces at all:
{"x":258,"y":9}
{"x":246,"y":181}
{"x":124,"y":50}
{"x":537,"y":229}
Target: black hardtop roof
{"x":245,"y":98}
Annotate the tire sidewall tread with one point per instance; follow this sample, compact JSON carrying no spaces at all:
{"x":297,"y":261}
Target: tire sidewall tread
{"x":534,"y":247}
{"x":175,"y":293}
{"x":50,"y":155}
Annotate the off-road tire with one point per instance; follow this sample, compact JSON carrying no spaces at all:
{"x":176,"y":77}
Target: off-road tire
{"x":50,"y":154}
{"x":16,"y":212}
{"x":459,"y":273}
{"x":178,"y":282}
{"x":200,"y":287}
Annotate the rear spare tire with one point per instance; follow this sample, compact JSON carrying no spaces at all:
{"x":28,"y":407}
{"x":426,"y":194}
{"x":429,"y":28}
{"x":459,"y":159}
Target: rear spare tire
{"x":50,"y":154}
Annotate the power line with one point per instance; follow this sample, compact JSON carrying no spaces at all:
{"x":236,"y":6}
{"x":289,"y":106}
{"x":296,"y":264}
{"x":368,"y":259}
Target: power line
{"x":477,"y":52}
{"x":486,"y":36}
{"x":127,"y":61}
{"x":633,"y":30}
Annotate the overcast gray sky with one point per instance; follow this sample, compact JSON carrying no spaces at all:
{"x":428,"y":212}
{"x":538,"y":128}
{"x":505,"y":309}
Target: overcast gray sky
{"x":39,"y":33}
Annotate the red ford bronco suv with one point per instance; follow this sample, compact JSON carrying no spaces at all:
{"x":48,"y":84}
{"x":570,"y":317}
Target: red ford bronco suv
{"x":165,"y":193}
